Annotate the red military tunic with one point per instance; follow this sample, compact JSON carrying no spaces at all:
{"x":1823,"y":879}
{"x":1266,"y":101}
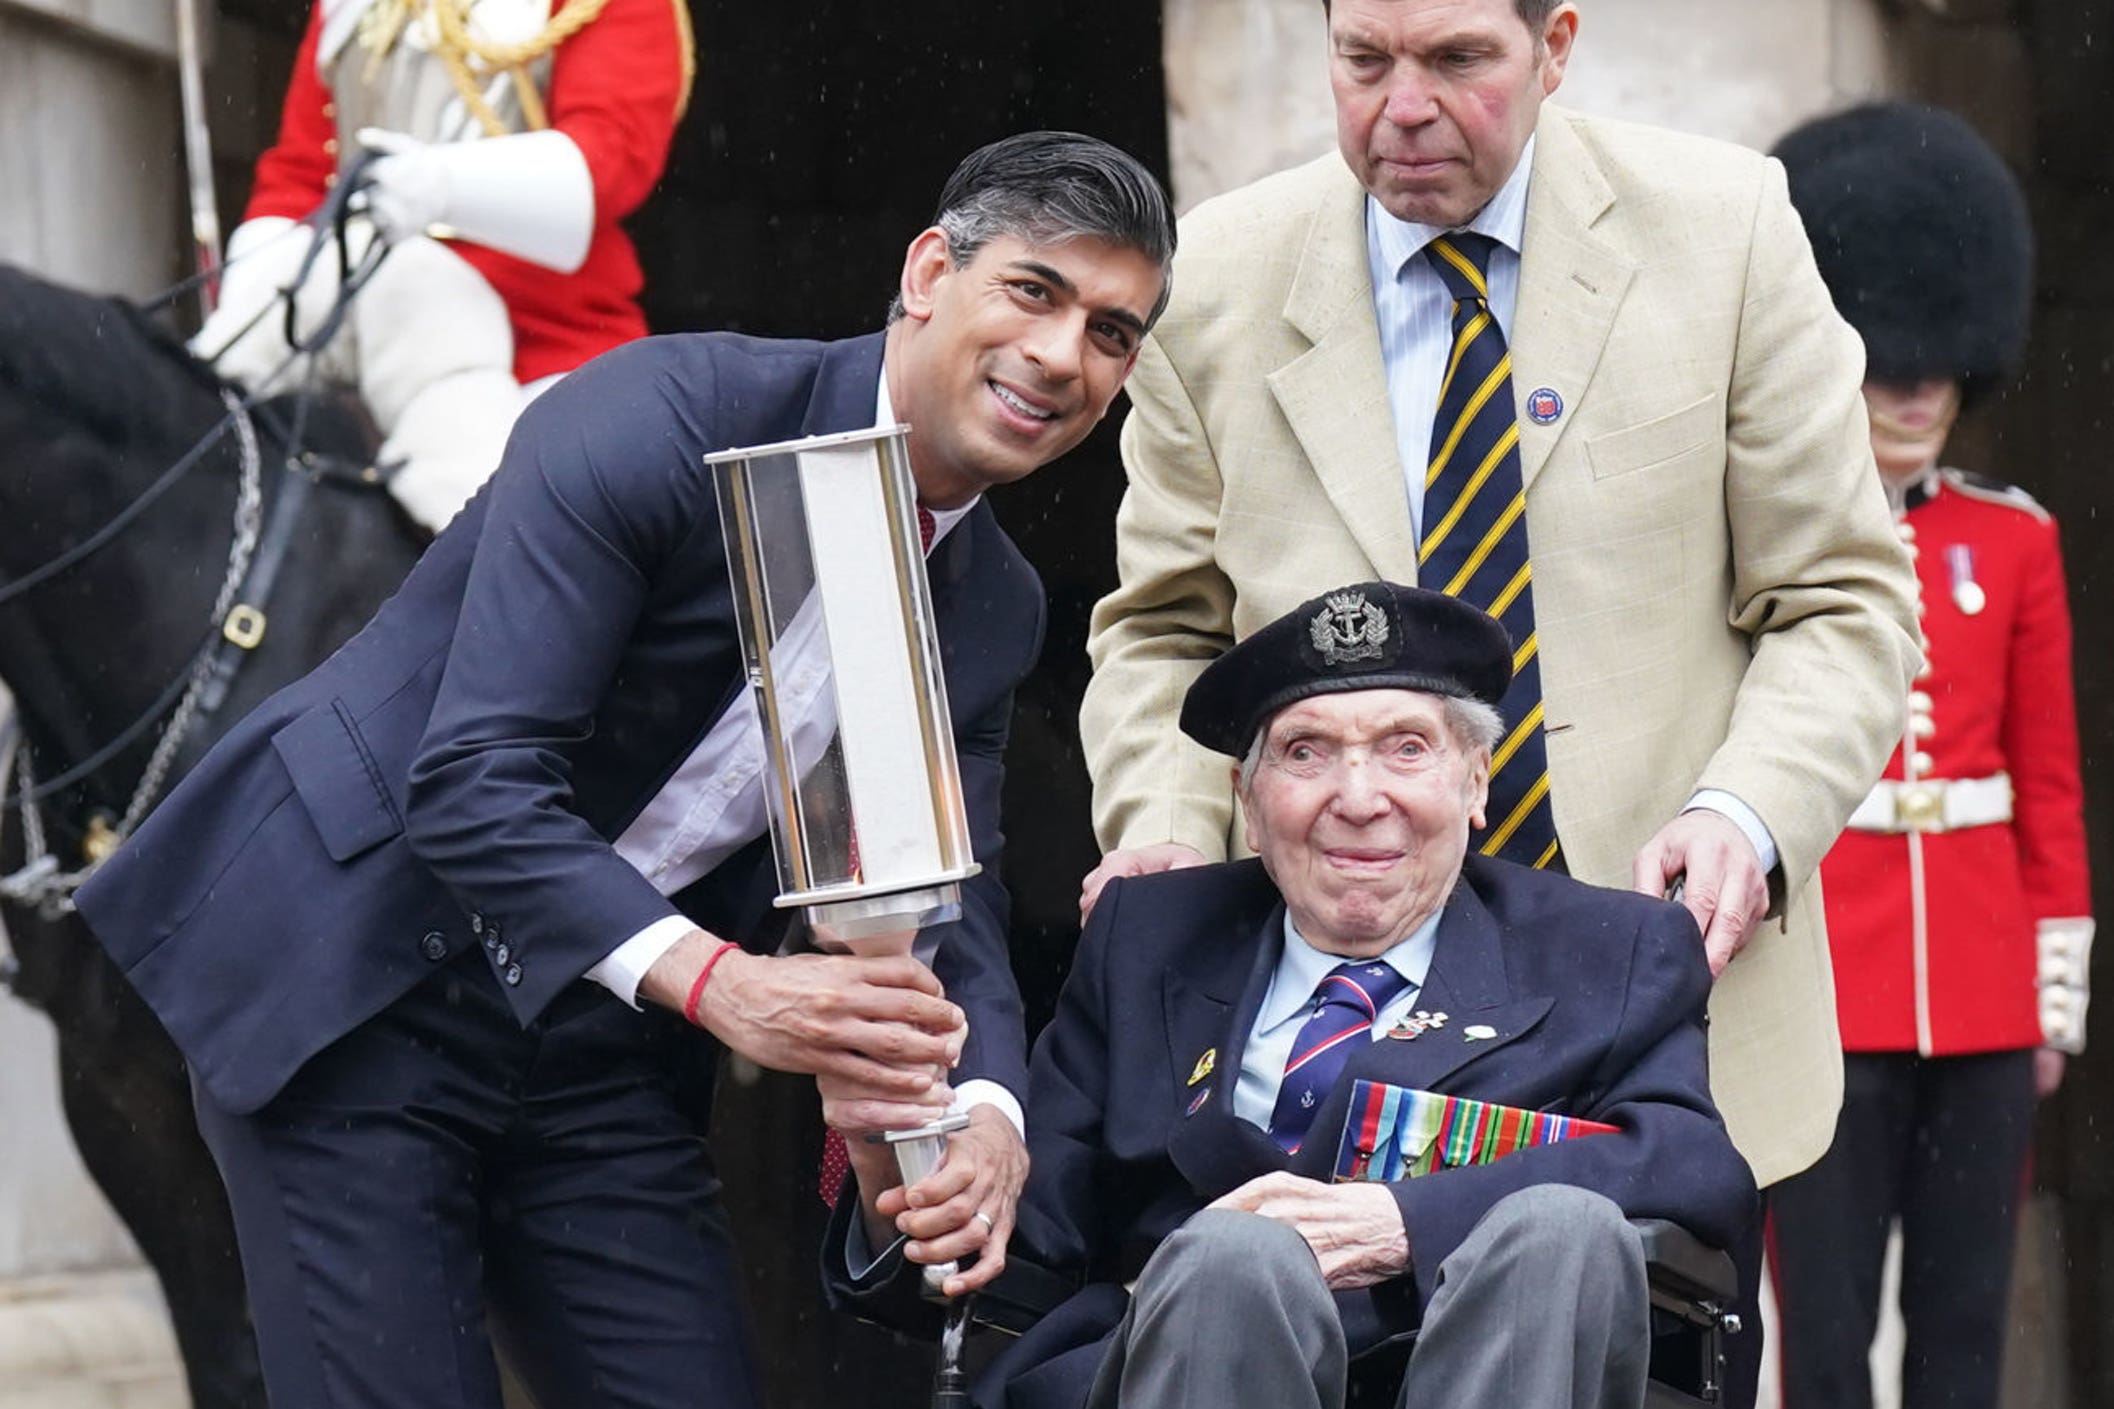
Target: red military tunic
{"x":1934,"y":932}
{"x":616,"y":88}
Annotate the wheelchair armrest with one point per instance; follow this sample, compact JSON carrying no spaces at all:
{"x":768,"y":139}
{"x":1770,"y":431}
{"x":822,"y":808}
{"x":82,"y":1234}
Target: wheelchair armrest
{"x":1682,"y":1271}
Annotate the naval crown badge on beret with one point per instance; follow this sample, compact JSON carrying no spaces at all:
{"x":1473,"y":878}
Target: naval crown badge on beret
{"x":1348,"y":629}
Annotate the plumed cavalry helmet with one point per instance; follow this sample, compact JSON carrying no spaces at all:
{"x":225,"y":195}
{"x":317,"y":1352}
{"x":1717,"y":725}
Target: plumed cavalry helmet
{"x":1923,"y":238}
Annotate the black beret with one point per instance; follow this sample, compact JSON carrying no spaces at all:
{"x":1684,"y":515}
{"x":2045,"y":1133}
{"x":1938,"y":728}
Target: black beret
{"x":1922,"y":236}
{"x":1371,"y":636}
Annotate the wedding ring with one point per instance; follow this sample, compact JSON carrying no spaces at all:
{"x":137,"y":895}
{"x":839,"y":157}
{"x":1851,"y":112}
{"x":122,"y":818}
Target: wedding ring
{"x":990,"y":1224}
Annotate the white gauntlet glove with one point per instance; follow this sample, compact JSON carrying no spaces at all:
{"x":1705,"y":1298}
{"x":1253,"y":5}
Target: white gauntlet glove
{"x":527,"y":194}
{"x":263,"y":256}
{"x":2065,"y":982}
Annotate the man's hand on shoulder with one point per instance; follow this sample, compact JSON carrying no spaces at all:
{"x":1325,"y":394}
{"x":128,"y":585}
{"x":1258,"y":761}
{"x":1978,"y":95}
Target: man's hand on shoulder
{"x":1134,"y":861}
{"x":966,"y":1206}
{"x":1355,"y":1230}
{"x":883,"y":1024}
{"x":1722,"y":883}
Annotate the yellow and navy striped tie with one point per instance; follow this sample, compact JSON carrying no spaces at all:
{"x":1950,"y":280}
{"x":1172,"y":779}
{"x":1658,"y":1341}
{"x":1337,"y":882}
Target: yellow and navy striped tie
{"x":1475,"y":540}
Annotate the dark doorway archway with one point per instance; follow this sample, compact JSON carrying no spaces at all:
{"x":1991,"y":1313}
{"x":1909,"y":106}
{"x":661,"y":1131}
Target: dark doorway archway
{"x":817,"y":139}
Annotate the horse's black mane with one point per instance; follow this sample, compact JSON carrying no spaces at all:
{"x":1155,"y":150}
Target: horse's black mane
{"x":99,"y":363}
{"x":106,"y":367}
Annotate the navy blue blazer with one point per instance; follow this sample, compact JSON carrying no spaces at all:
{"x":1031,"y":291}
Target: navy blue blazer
{"x":1596,"y":998}
{"x":462,"y":765}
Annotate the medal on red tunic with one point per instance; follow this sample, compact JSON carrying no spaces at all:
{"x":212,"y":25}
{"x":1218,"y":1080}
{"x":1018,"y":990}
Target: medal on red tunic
{"x":1968,"y":595}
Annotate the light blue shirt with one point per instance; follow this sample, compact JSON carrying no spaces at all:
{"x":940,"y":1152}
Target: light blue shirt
{"x":1415,"y":314}
{"x":1290,"y":1002}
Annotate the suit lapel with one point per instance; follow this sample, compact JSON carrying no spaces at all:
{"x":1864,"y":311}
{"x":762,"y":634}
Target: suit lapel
{"x":846,"y":385}
{"x":1211,"y":1007}
{"x":1570,"y":284}
{"x":947,"y":566}
{"x":1334,"y":395}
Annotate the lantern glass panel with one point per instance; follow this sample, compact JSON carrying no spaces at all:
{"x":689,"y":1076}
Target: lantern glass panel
{"x":837,"y":629}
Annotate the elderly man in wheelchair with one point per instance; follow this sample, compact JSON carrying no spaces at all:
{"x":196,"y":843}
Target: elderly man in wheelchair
{"x":1366,"y":1092}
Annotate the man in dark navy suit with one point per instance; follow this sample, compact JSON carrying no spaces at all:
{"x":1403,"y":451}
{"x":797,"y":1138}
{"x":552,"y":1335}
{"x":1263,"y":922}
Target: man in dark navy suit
{"x":1186,"y":1106}
{"x":418,"y":924}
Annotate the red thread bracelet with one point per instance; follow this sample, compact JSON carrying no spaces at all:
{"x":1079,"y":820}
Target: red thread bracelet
{"x":697,"y":989}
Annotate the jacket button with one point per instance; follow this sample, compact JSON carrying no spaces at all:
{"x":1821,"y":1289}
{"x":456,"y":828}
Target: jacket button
{"x":434,"y":946}
{"x":513,"y":975}
{"x":502,"y":955}
{"x":476,"y":923}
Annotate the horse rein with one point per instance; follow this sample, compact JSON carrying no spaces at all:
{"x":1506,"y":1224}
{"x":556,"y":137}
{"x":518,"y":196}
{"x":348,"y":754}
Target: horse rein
{"x":40,"y":882}
{"x":329,"y":225}
{"x":198,"y":691}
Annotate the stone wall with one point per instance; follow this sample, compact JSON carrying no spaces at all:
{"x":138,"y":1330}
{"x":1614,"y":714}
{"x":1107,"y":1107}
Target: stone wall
{"x":89,"y":164}
{"x":89,"y":145}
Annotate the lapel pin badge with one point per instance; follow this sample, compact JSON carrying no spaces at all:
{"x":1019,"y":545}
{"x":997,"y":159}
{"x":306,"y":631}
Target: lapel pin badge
{"x":1478,"y":1033}
{"x":1204,"y":1066}
{"x":1413,"y":1027}
{"x":1544,"y":406}
{"x":1198,"y":1104}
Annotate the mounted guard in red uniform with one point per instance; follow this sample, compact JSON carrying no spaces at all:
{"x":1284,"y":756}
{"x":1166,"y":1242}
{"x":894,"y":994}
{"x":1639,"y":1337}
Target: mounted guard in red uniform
{"x":511,"y":137}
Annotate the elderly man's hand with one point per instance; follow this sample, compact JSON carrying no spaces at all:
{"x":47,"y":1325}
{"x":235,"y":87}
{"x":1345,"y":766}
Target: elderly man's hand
{"x":966,"y":1205}
{"x":1722,"y":881}
{"x":1355,"y":1230}
{"x":1134,"y":861}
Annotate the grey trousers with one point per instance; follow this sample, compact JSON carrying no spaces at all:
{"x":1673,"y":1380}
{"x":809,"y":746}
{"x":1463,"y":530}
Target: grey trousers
{"x":1542,"y":1307}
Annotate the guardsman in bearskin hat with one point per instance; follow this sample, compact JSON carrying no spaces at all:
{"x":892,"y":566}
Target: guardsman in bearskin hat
{"x":512,"y":136}
{"x":1958,"y":904}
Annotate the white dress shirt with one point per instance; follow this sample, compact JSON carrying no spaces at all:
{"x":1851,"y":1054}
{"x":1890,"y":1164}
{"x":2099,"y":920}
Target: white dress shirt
{"x":1290,"y":1002}
{"x":1415,"y":314}
{"x":713,"y":804}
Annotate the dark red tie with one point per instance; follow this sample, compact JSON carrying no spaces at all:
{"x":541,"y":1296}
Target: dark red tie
{"x":836,"y":1160}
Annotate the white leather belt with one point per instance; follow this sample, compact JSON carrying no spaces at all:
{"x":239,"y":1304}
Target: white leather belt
{"x":1934,"y":804}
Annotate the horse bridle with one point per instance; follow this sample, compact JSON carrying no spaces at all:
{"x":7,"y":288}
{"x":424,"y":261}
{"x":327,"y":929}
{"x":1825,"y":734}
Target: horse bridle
{"x":238,"y":617}
{"x":40,"y":881}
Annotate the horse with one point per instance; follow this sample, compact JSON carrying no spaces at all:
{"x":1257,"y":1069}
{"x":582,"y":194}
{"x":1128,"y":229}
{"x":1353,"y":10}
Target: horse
{"x":125,"y":507}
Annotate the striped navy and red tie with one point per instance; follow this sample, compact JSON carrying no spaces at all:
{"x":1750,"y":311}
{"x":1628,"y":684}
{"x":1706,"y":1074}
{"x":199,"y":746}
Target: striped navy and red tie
{"x":1350,"y":999}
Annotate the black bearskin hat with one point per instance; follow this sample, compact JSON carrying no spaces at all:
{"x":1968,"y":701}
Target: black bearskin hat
{"x":1923,"y":238}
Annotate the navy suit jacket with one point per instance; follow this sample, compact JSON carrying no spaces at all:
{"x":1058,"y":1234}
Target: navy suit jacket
{"x":462,"y":765}
{"x":1596,"y":998}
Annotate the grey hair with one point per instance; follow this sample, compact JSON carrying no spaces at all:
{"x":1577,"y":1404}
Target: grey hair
{"x":1471,"y":723}
{"x":1049,"y":187}
{"x":1474,"y":723}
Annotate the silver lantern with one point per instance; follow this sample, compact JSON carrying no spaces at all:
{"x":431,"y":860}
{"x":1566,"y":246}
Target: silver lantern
{"x":864,"y":790}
